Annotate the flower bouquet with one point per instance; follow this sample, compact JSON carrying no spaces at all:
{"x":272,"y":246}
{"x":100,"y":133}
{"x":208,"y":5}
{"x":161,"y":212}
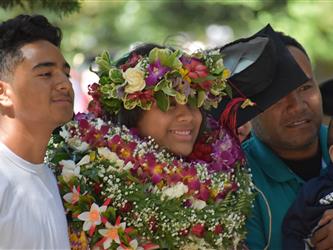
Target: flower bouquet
{"x":124,"y":192}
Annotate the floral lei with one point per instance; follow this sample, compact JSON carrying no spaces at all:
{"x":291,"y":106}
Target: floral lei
{"x":123,"y":192}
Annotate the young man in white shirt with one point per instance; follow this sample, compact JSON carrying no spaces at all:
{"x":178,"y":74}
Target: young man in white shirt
{"x":36,"y":97}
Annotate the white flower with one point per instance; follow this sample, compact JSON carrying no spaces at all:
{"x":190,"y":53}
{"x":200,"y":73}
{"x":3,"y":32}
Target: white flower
{"x":219,"y":63}
{"x":175,"y":191}
{"x":111,"y":233}
{"x":134,"y":78}
{"x":128,"y":166}
{"x":78,"y":145}
{"x":85,"y":160}
{"x":190,"y":246}
{"x":111,"y":156}
{"x":73,"y":196}
{"x":133,"y":245}
{"x":99,"y":123}
{"x":69,"y":169}
{"x":64,"y":133}
{"x":93,"y":217}
{"x":198,"y":204}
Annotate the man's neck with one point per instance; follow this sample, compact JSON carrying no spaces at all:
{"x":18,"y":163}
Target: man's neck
{"x":28,"y":143}
{"x":299,"y":153}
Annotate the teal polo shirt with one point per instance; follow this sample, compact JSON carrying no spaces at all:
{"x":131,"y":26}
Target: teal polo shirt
{"x":277,"y":187}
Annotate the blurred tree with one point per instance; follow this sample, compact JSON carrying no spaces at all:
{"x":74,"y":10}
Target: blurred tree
{"x":116,"y":24}
{"x":60,"y":6}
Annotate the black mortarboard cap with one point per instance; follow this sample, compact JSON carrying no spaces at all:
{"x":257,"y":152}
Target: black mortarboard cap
{"x":262,"y":69}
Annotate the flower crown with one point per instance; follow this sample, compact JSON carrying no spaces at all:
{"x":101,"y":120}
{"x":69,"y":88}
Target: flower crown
{"x":198,"y":79}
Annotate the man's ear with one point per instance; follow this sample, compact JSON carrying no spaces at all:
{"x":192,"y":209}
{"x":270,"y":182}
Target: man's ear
{"x":330,"y":151}
{"x":5,"y":100}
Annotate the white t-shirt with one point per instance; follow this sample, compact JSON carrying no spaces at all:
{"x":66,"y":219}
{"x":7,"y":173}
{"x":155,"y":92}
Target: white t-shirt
{"x":31,"y":212}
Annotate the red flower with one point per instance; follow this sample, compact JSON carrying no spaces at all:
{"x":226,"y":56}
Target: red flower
{"x":218,"y":229}
{"x":198,"y":230}
{"x":152,"y":223}
{"x":196,"y":69}
{"x":127,"y":207}
{"x":95,"y":108}
{"x":93,"y":91}
{"x":144,"y":96}
{"x":131,"y":62}
{"x":184,"y":232}
{"x":204,"y":193}
{"x":202,"y":150}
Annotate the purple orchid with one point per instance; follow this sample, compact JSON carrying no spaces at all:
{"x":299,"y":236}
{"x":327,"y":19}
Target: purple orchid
{"x":155,"y":72}
{"x":227,"y":152}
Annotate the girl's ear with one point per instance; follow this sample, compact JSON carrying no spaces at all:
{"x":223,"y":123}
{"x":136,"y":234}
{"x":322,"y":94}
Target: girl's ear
{"x":5,"y":100}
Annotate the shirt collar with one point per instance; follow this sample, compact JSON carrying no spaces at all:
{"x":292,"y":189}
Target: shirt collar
{"x":276,"y":168}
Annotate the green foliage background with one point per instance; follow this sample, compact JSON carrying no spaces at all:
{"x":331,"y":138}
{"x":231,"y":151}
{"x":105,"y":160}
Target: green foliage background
{"x":90,"y":26}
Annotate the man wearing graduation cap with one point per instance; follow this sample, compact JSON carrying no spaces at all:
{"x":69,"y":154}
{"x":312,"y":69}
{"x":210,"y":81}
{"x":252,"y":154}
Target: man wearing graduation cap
{"x":288,"y":143}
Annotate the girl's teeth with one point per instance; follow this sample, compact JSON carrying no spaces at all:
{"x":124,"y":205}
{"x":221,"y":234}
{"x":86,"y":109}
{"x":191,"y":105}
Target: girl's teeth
{"x":184,"y":132}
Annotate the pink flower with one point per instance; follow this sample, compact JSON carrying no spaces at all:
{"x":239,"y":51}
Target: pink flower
{"x":111,"y":233}
{"x":92,"y":218}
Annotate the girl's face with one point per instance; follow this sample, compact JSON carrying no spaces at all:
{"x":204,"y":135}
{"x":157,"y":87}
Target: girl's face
{"x":176,"y":130}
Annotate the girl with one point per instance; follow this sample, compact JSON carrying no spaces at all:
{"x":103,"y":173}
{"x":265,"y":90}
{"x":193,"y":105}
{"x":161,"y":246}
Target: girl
{"x":159,"y":175}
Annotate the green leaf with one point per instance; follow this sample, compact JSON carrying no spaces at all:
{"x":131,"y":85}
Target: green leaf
{"x":228,"y":90}
{"x":201,"y":98}
{"x":104,"y":62}
{"x":130,"y":104}
{"x":166,"y":87}
{"x":202,"y":79}
{"x":192,"y":101}
{"x":181,"y":98}
{"x":162,"y":100}
{"x":166,"y":57}
{"x":116,"y":76}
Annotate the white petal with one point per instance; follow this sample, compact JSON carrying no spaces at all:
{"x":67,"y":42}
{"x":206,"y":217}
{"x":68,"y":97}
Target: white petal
{"x":107,"y":243}
{"x":64,"y":133}
{"x":84,"y":160}
{"x":67,"y":164}
{"x":68,"y":197}
{"x":84,"y":216}
{"x":103,"y":231}
{"x":94,"y":206}
{"x":122,"y":225}
{"x":86,"y":225}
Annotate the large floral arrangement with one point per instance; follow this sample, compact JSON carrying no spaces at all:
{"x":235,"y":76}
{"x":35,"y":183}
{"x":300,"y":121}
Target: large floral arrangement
{"x":124,"y":192}
{"x":198,"y":80}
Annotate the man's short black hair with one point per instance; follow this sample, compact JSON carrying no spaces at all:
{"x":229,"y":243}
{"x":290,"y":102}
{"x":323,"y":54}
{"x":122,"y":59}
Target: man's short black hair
{"x":19,"y":31}
{"x":290,"y":41}
{"x":330,"y":134}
